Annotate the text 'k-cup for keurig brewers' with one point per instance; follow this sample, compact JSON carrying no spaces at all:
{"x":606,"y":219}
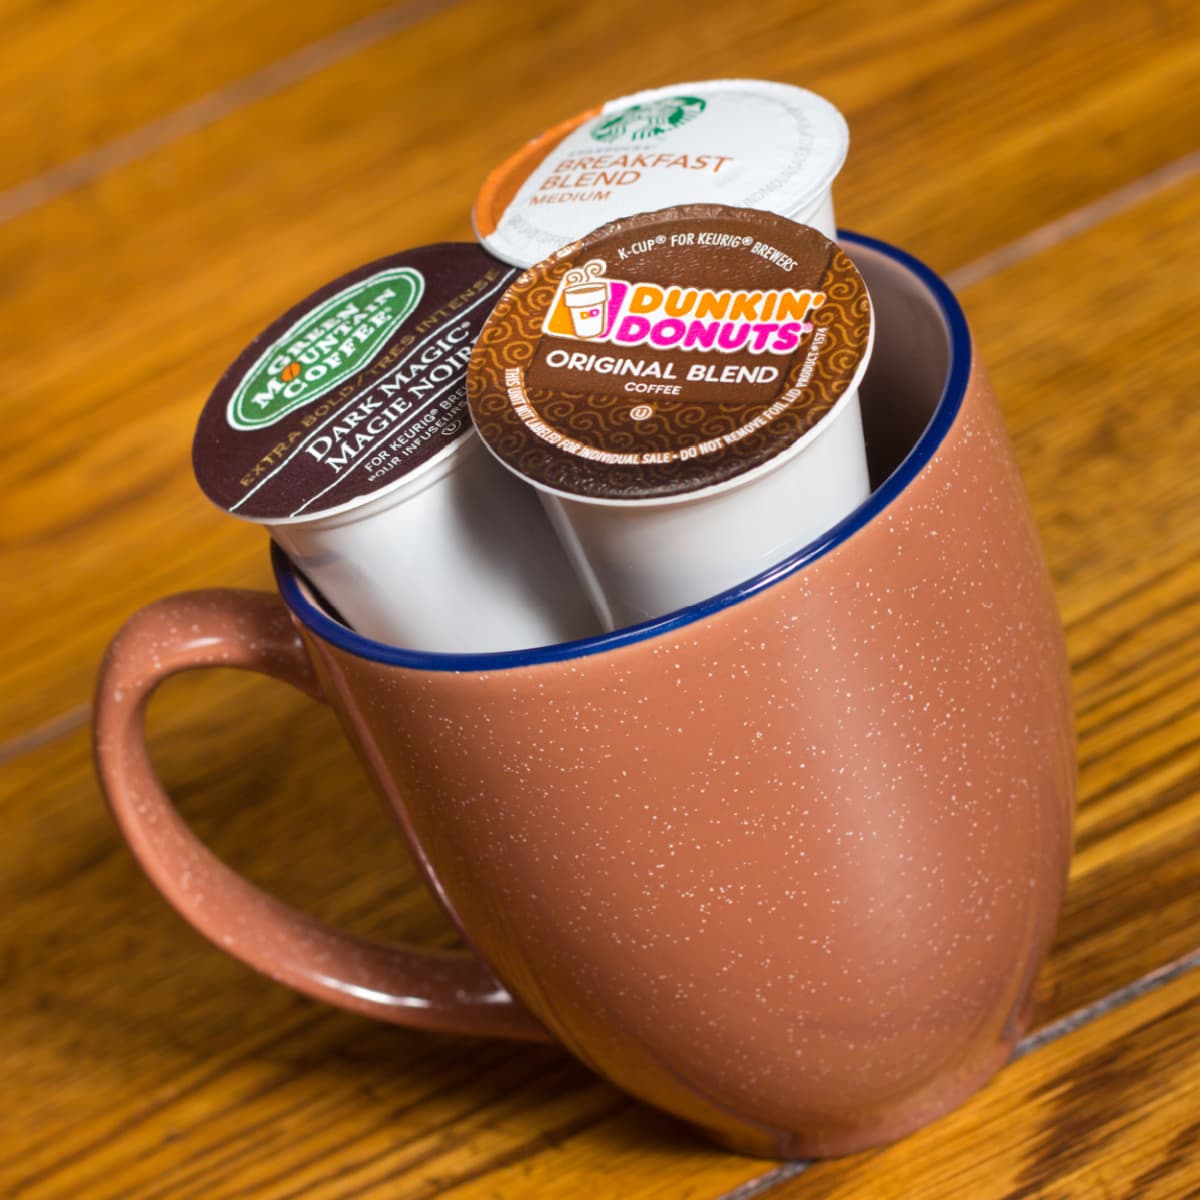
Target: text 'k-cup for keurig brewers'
{"x":747,"y":143}
{"x":682,"y":388}
{"x":343,"y":429}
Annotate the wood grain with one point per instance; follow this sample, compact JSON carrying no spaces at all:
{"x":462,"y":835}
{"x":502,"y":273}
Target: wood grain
{"x":132,"y":293}
{"x":1102,"y":408}
{"x":97,"y":71}
{"x":139,"y":1061}
{"x":1111,"y":1110}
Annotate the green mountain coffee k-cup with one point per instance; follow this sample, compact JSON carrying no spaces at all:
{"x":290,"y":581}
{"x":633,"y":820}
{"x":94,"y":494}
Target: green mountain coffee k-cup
{"x":343,"y":429}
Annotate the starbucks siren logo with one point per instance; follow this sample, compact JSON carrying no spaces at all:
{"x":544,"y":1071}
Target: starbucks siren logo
{"x":641,"y":121}
{"x":325,"y":347}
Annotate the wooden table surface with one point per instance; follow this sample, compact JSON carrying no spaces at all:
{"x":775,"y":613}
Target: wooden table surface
{"x":176,"y":175}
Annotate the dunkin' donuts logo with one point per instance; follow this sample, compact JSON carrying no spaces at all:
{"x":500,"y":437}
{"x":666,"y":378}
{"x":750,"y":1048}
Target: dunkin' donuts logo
{"x":326,"y":346}
{"x":639,"y":122}
{"x":591,"y":306}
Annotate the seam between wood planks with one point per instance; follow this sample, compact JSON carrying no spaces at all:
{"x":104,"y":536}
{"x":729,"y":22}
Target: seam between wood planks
{"x":42,"y":735}
{"x":1029,"y":1044}
{"x":207,"y":110}
{"x":1075,"y":222}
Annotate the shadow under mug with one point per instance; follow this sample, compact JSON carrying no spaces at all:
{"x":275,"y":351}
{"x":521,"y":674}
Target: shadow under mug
{"x":784,"y":863}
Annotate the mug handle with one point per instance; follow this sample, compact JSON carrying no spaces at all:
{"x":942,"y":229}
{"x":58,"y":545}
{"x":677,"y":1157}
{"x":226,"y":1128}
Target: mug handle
{"x":445,"y":990}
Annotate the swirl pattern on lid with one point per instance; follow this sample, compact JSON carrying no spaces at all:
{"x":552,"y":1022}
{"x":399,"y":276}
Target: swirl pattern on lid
{"x":668,"y":352}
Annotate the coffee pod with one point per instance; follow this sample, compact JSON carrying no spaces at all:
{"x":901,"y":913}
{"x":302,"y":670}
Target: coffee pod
{"x":742,"y":142}
{"x":682,"y":389}
{"x":343,"y":429}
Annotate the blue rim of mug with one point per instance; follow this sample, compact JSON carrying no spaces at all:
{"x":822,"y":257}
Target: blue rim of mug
{"x":287,"y":577}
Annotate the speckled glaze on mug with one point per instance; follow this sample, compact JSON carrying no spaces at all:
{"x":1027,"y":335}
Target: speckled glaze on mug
{"x":784,"y":863}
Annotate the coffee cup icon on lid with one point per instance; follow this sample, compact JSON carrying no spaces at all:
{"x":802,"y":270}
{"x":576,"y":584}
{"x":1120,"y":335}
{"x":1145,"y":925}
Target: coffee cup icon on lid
{"x":585,"y":293}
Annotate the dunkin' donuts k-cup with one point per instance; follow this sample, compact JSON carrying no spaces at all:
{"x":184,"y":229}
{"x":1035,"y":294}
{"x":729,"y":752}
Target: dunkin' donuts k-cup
{"x":706,"y":424}
{"x":747,"y":143}
{"x":343,"y":429}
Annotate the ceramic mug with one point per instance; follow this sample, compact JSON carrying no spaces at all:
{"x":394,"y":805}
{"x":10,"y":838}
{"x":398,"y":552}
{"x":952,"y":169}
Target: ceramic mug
{"x":784,"y":863}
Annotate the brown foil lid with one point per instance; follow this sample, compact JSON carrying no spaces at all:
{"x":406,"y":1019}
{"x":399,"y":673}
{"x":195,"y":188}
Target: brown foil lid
{"x":668,"y":352}
{"x":352,"y":390}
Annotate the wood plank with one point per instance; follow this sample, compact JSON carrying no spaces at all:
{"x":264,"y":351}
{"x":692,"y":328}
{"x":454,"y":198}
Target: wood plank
{"x":132,"y":293}
{"x":1110,"y":1110}
{"x":98,"y":71}
{"x":1097,"y":392}
{"x":212,"y":1082}
{"x":1107,"y":438}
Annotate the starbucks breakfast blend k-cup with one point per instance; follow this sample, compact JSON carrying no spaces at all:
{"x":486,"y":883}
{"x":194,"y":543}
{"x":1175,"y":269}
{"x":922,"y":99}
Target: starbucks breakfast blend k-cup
{"x":343,"y":429}
{"x":682,"y":389}
{"x":747,"y":143}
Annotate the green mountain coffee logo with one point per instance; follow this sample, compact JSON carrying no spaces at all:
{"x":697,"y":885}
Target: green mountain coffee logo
{"x":639,"y":122}
{"x":325,"y":347}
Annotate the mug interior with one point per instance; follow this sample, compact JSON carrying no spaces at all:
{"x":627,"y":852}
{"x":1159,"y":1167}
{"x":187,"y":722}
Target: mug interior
{"x":910,"y":396}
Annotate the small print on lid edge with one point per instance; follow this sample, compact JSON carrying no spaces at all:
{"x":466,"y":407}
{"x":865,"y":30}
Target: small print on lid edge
{"x":668,"y":353}
{"x":742,"y":142}
{"x":352,"y":391}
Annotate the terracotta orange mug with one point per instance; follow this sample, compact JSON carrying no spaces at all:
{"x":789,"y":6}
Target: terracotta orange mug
{"x":784,"y":863}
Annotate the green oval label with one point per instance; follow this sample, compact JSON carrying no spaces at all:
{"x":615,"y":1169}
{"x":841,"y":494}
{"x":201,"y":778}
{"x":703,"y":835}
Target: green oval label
{"x":650,"y":120}
{"x":325,"y":347}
